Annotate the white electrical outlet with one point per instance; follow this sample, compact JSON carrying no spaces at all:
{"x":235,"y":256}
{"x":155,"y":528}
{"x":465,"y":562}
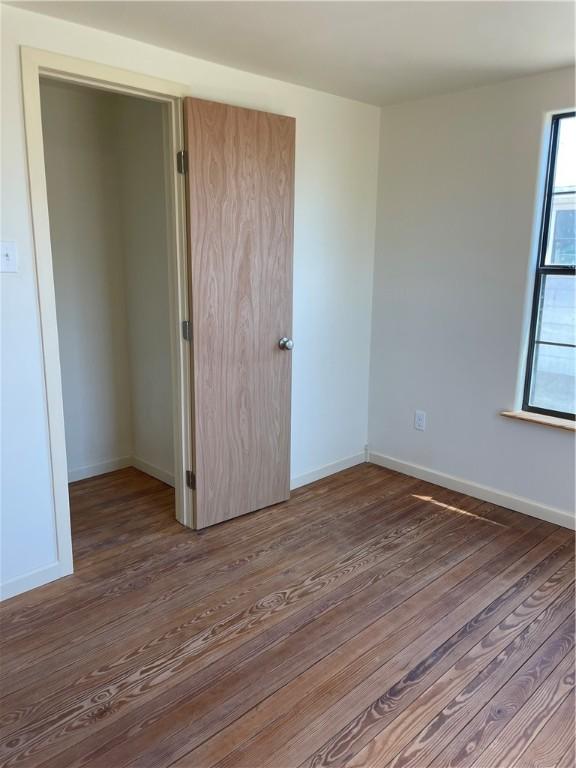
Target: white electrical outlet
{"x":8,"y":256}
{"x":420,"y":420}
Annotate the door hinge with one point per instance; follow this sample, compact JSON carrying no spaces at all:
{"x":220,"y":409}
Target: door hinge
{"x":191,"y":480}
{"x":182,"y":161}
{"x":187,"y":330}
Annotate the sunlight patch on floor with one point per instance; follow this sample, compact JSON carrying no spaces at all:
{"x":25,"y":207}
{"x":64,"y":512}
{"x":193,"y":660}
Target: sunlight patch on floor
{"x":456,"y":509}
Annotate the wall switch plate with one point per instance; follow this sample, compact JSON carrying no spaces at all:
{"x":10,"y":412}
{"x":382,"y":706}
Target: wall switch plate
{"x":8,"y":256}
{"x":420,"y":420}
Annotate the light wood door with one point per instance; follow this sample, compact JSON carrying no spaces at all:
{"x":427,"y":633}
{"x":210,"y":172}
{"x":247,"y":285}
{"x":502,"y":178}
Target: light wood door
{"x":240,"y":186}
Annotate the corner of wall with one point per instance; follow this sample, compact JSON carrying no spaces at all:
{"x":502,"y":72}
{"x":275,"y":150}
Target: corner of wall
{"x":377,"y":194}
{"x":37,"y":578}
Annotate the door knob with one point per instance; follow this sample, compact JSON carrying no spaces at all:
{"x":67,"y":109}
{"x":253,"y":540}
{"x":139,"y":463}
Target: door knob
{"x":286,"y":344}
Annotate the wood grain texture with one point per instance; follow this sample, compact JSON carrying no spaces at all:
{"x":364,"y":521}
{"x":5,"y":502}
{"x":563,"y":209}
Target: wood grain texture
{"x":551,"y":744}
{"x":404,"y":748}
{"x":377,"y":702}
{"x":240,"y":188}
{"x":568,"y":759}
{"x":493,"y":716}
{"x":371,"y":619}
{"x":510,"y":745}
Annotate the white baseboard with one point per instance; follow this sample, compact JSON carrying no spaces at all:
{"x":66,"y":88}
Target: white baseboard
{"x":326,"y":470}
{"x":517,"y":503}
{"x":150,"y":469}
{"x":32,"y":580}
{"x":81,"y":473}
{"x":56,"y":570}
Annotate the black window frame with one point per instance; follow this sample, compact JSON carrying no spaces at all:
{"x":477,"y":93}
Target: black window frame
{"x":543,"y":269}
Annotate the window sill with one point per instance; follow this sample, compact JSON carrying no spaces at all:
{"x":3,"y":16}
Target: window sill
{"x":540,"y":418}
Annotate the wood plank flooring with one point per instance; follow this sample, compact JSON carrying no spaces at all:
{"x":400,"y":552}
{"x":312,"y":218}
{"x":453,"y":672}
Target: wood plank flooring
{"x":371,"y":620}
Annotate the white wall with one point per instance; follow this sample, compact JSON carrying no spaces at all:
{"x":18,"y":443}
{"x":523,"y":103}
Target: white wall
{"x":105,"y":171}
{"x":144,"y":216}
{"x":80,"y":130}
{"x":453,"y":271}
{"x":458,"y":177}
{"x":336,"y":176}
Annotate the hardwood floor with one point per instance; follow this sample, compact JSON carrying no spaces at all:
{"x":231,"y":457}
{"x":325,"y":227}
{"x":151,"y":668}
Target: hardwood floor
{"x":372,"y":620}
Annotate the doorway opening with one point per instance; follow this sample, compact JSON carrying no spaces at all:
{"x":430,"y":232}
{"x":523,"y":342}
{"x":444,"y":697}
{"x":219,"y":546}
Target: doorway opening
{"x":108,"y":168}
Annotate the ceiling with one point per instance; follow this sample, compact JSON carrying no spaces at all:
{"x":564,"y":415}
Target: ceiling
{"x":378,"y":52}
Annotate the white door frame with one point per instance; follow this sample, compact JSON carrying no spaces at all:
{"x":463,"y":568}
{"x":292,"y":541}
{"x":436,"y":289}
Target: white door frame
{"x":37,"y":63}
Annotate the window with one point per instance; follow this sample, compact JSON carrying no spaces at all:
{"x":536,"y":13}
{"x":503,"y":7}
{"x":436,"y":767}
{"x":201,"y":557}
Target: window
{"x":550,"y":386}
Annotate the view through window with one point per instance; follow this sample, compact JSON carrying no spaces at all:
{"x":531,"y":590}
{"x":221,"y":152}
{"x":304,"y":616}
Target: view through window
{"x":551,"y":370}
